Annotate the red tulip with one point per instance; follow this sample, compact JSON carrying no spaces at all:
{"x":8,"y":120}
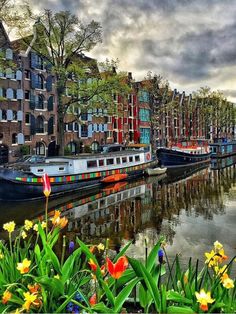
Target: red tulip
{"x":116,"y":270}
{"x":93,"y":299}
{"x":92,"y":265}
{"x":46,"y":185}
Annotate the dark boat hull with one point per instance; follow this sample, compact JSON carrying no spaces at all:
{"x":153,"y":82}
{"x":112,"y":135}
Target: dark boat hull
{"x":10,"y":189}
{"x":174,"y":158}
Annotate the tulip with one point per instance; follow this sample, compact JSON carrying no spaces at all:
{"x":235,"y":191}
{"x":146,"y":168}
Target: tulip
{"x":93,"y":299}
{"x":46,"y":185}
{"x":116,"y":270}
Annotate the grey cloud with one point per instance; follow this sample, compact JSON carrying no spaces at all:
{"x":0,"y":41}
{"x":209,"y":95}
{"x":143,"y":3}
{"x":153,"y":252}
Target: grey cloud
{"x":190,"y":41}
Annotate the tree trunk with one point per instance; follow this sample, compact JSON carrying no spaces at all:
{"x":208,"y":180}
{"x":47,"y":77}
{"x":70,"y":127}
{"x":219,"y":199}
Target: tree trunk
{"x":60,"y":112}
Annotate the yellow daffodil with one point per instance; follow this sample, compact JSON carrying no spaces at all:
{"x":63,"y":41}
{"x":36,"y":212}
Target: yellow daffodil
{"x":23,"y":234}
{"x":217,"y":245}
{"x":211,"y":258}
{"x":43,"y":224}
{"x":24,"y":266}
{"x":220,"y":270}
{"x":29,"y":299}
{"x":28,"y":225}
{"x":222,"y":257}
{"x":100,"y":247}
{"x":57,"y":276}
{"x":1,"y":255}
{"x":226,"y":281}
{"x":36,"y":227}
{"x":204,"y":298}
{"x":9,"y":226}
{"x":6,"y":296}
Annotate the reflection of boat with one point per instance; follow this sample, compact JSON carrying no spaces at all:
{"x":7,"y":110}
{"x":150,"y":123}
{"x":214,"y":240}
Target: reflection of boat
{"x":114,"y":178}
{"x":185,"y":154}
{"x":222,"y":148}
{"x":71,"y":173}
{"x":221,"y":163}
{"x":177,"y":174}
{"x":155,"y":171}
{"x":103,"y":199}
{"x":115,"y":187}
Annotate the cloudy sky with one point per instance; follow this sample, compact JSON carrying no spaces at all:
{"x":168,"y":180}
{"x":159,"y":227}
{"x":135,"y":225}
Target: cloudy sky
{"x":192,"y":43}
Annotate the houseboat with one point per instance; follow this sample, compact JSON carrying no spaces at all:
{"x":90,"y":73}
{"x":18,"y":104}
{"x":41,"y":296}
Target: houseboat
{"x":184,"y":154}
{"x":24,"y":180}
{"x":222,"y":148}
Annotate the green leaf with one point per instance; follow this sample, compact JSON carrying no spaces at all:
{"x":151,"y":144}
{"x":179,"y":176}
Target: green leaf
{"x":54,"y":285}
{"x":122,"y":252}
{"x":107,"y":291}
{"x":176,"y":297}
{"x":54,"y":259}
{"x":101,"y":308}
{"x":179,"y":310}
{"x":128,"y":275}
{"x":68,"y":266}
{"x":148,"y":282}
{"x":152,"y":257}
{"x":145,"y":298}
{"x":123,"y":295}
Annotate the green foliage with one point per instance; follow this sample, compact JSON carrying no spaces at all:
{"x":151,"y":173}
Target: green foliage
{"x":34,"y":278}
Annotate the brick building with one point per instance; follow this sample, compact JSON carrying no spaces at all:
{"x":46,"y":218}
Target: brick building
{"x":11,"y":100}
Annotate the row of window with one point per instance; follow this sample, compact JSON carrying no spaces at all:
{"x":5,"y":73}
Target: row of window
{"x":11,"y":93}
{"x":10,"y":74}
{"x":11,"y":115}
{"x":112,"y":161}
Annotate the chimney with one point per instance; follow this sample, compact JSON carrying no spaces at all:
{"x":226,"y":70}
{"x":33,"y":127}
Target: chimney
{"x":130,"y":75}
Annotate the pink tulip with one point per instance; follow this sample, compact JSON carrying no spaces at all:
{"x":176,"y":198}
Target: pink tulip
{"x":46,"y":185}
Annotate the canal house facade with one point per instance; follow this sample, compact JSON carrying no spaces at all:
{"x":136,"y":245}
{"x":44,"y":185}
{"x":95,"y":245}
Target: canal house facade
{"x":39,"y":102}
{"x":11,"y":100}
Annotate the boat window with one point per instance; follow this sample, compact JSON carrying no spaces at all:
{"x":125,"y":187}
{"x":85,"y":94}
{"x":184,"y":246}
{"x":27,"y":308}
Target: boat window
{"x":137,"y":158}
{"x":118,"y":160}
{"x":130,"y":158}
{"x":91,"y":163}
{"x":124,"y":159}
{"x":101,"y":162}
{"x":61,"y":168}
{"x":40,"y":170}
{"x":110,"y":161}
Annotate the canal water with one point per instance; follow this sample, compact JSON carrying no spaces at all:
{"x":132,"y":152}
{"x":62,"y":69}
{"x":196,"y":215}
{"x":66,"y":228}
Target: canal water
{"x":191,"y":208}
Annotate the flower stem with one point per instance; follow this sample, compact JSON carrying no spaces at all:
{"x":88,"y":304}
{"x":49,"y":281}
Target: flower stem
{"x":46,"y":215}
{"x":63,"y":249}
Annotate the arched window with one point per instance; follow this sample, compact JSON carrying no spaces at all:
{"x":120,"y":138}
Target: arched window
{"x":39,"y":81}
{"x":14,"y":138}
{"x":14,"y":115}
{"x":39,"y":61}
{"x":40,"y":149}
{"x":40,"y":124}
{"x":39,"y":104}
{"x":72,"y":147}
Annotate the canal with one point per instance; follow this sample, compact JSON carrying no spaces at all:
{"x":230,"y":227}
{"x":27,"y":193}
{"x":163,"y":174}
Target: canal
{"x":192,"y":209}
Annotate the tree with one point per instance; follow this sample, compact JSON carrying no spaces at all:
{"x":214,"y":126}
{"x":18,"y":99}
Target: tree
{"x":61,"y":40}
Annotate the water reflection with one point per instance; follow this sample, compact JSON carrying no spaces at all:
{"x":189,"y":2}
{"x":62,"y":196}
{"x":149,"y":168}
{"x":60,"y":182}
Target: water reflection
{"x":191,"y":208}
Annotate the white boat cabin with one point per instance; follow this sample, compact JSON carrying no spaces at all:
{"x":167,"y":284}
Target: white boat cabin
{"x":92,"y":162}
